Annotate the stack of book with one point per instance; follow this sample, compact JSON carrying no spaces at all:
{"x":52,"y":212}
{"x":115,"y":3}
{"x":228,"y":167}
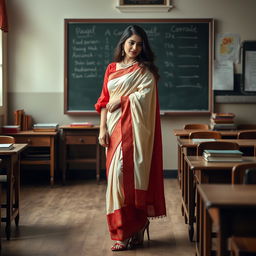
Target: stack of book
{"x":23,"y":120}
{"x":10,"y":129}
{"x":222,"y":121}
{"x":213,"y":155}
{"x":45,"y":127}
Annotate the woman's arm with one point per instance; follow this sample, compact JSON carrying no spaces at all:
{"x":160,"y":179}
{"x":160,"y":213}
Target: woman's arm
{"x":103,"y":135}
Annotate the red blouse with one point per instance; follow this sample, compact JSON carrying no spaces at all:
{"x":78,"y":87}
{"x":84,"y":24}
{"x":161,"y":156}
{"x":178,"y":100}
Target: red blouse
{"x":104,"y":97}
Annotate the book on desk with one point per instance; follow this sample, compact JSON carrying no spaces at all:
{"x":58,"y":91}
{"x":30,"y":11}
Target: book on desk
{"x":10,"y":129}
{"x":81,"y":124}
{"x":6,"y":146}
{"x":212,"y":155}
{"x":45,"y":127}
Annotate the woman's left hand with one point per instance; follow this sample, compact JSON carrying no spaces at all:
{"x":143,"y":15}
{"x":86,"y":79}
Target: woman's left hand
{"x":113,"y":105}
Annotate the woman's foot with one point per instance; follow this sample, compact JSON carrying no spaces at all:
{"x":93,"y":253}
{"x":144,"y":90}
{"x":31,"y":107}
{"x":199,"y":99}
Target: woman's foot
{"x":120,"y":245}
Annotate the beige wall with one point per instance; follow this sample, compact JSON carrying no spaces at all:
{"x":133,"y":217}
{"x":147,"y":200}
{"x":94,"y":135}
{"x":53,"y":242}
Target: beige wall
{"x":36,"y":54}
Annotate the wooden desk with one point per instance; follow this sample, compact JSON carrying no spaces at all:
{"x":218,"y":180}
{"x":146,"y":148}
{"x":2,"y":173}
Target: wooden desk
{"x":186,"y":177}
{"x":184,"y":134}
{"x":79,"y":136}
{"x":190,"y":148}
{"x":198,"y":170}
{"x":11,"y":162}
{"x":232,"y":208}
{"x":39,"y":139}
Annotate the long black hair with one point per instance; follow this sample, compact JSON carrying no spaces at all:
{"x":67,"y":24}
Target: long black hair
{"x":146,"y":57}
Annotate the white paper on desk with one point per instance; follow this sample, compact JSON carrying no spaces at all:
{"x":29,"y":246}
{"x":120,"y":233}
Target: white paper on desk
{"x":227,"y":47}
{"x":250,"y":71}
{"x":223,"y":78}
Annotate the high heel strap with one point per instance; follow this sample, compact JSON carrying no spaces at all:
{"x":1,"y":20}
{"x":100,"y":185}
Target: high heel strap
{"x":138,"y":238}
{"x":121,"y":245}
{"x":147,"y":228}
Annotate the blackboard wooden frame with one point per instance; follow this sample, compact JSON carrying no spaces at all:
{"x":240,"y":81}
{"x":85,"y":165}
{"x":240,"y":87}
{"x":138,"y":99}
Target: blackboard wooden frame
{"x":67,"y":86}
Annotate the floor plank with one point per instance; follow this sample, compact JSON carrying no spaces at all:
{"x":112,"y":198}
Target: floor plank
{"x":70,"y":220}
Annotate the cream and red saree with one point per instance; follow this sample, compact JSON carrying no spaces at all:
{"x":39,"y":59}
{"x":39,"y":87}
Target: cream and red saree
{"x":134,"y":157}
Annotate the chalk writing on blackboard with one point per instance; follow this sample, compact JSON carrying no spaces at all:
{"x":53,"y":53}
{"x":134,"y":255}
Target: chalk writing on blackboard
{"x":183,"y":55}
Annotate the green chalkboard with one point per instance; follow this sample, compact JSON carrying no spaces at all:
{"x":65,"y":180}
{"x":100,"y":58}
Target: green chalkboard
{"x":183,"y":50}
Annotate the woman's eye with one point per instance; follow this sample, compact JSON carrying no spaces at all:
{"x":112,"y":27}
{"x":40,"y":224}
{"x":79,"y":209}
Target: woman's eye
{"x":133,"y":43}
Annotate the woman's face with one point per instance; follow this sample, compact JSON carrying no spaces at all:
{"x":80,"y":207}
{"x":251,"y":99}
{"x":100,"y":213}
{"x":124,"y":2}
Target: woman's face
{"x":132,"y":47}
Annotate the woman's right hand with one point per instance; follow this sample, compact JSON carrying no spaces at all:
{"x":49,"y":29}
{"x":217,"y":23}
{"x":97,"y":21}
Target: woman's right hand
{"x":113,"y":105}
{"x":104,"y":137}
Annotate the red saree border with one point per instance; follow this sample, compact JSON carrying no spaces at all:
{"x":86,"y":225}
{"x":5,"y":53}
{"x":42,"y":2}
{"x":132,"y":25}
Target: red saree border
{"x":127,"y":150}
{"x":125,"y":222}
{"x":155,"y":196}
{"x":124,"y":71}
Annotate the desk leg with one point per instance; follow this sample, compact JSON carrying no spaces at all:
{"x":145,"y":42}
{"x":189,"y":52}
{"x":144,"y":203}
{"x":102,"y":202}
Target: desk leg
{"x":52,"y":163}
{"x":179,"y":165}
{"x":181,"y":183}
{"x":64,"y":157}
{"x":207,"y":231}
{"x":9,"y":198}
{"x":201,"y":223}
{"x":198,"y":222}
{"x":222,"y":236}
{"x":184,"y":186}
{"x":17,"y":189}
{"x":191,"y":204}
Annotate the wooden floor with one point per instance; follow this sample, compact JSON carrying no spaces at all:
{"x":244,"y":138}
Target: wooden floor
{"x":70,"y":221}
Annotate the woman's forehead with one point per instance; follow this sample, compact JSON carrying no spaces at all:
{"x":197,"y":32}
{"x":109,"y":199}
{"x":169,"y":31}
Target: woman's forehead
{"x":135,"y":38}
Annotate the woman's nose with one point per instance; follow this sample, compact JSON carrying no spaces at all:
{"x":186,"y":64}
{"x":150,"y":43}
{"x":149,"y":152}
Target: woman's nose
{"x":134,"y":46}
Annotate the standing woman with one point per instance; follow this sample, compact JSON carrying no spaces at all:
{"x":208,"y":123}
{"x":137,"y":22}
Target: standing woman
{"x":130,"y":130}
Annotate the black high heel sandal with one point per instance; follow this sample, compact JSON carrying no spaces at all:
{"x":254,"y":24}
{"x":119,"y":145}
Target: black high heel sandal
{"x":138,"y":239}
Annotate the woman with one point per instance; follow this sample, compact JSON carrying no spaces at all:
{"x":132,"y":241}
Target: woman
{"x":130,"y":130}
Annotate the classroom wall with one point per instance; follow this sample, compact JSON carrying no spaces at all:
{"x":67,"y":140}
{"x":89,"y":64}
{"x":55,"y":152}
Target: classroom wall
{"x":36,"y":55}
